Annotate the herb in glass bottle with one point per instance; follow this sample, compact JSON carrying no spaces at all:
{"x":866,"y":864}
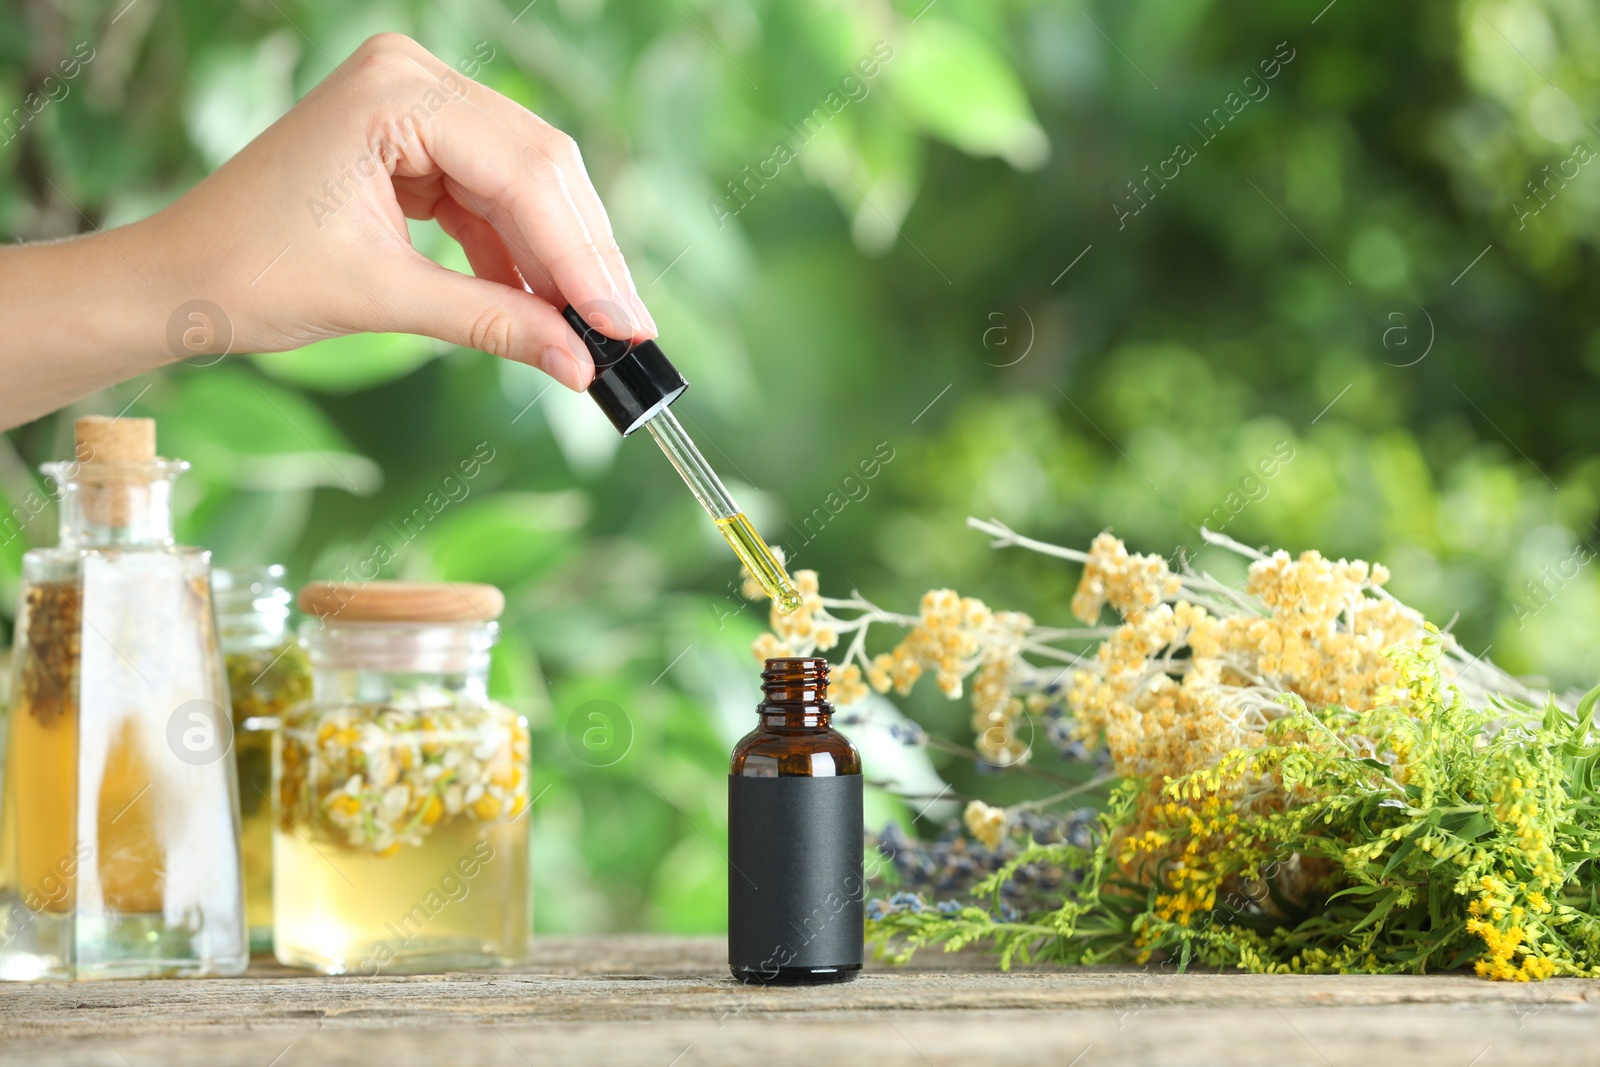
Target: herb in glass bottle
{"x":267,"y":674}
{"x":400,"y":788}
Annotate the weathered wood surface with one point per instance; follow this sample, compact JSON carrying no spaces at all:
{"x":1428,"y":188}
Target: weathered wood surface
{"x":660,"y":1001}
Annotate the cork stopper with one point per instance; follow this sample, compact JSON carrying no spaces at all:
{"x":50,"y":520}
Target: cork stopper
{"x":387,"y":601}
{"x":107,"y":440}
{"x":115,"y":454}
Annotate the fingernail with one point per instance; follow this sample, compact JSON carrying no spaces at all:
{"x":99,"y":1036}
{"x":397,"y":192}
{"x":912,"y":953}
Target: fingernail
{"x":644,"y":314}
{"x":563,"y":366}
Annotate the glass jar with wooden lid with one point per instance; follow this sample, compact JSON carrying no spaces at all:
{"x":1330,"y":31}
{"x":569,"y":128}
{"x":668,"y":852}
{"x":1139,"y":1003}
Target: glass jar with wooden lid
{"x":401,"y":789}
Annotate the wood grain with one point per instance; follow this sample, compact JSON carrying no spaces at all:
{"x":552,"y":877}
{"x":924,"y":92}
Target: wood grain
{"x":663,"y":1001}
{"x":393,"y":601}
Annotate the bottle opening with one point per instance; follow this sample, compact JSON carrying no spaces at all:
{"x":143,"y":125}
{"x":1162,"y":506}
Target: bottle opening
{"x":251,"y":604}
{"x":795,"y":680}
{"x":400,"y":647}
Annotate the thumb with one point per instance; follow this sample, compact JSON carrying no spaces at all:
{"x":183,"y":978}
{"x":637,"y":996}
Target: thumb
{"x":490,"y":316}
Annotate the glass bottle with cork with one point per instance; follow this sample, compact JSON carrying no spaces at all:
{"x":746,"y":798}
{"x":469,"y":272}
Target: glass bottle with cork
{"x":116,"y":793}
{"x":267,"y":674}
{"x":796,"y":889}
{"x":401,"y":789}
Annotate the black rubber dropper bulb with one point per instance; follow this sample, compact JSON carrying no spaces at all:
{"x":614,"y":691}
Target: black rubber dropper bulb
{"x":633,"y":381}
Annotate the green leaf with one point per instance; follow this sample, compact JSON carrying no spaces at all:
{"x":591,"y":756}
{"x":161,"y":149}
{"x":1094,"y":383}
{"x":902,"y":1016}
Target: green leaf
{"x":1399,"y":854}
{"x":20,"y":527}
{"x":958,"y":88}
{"x":506,"y":539}
{"x":689,"y":889}
{"x":1469,"y":827}
{"x":1584,"y":717}
{"x":346,"y":364}
{"x":238,"y":90}
{"x":1358,"y":891}
{"x":235,"y":428}
{"x":1378,"y":912}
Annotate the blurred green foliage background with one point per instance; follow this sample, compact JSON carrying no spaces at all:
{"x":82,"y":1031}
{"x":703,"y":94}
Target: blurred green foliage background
{"x":1381,"y":258}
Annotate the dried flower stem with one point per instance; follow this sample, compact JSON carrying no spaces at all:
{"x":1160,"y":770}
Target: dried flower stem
{"x":1194,"y":668}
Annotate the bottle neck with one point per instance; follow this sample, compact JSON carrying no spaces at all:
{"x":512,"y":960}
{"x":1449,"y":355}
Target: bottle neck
{"x":252,"y":606}
{"x":403,"y":663}
{"x":115,"y":504}
{"x":795,"y":694}
{"x":773,"y":718}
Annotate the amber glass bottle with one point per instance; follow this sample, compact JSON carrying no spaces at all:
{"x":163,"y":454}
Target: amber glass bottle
{"x":795,"y":885}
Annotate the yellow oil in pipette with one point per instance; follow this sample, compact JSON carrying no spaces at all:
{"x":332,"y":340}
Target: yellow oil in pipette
{"x":729,"y":517}
{"x":760,"y":561}
{"x":635,"y":384}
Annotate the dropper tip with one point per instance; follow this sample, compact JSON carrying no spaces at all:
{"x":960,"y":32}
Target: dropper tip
{"x":786,"y":600}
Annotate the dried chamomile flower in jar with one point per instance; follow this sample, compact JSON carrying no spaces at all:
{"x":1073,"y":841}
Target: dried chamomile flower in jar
{"x":400,"y":787}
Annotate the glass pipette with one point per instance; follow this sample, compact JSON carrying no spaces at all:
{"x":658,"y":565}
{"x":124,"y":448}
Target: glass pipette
{"x":635,"y":385}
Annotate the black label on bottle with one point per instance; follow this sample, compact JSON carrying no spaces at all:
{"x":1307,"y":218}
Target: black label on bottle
{"x":796,"y":893}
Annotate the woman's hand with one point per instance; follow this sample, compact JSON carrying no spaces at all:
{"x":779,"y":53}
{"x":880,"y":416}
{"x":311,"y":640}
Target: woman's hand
{"x":302,"y":236}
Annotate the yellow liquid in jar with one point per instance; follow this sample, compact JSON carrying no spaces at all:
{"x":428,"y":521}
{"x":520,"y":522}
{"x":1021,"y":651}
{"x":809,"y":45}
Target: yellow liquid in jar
{"x":253,"y":749}
{"x":40,"y":791}
{"x":759,"y":561}
{"x":459,"y":899}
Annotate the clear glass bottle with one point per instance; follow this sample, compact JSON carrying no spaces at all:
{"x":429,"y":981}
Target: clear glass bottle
{"x":268,"y":673}
{"x":401,"y":789}
{"x":116,"y":793}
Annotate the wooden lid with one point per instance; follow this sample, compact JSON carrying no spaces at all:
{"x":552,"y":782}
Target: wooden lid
{"x":115,"y":440}
{"x":385,"y":601}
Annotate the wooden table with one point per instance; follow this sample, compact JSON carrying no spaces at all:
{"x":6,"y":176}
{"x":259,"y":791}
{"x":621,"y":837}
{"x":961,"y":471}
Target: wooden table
{"x":668,"y":1002}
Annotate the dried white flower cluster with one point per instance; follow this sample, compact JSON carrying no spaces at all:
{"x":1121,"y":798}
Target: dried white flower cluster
{"x":374,"y":777}
{"x":1192,"y":669}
